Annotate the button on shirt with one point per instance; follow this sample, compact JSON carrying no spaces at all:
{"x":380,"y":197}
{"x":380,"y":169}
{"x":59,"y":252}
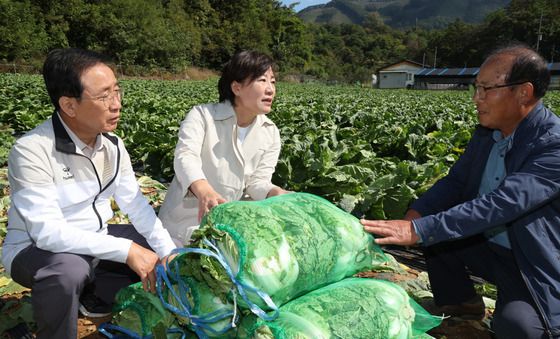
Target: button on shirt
{"x":494,"y":174}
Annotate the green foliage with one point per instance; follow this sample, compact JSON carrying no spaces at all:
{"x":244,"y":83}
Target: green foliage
{"x":369,"y":151}
{"x":24,"y":103}
{"x":6,"y":141}
{"x":176,"y":34}
{"x":461,"y":44}
{"x":14,"y":312}
{"x":4,"y":202}
{"x":171,"y":34}
{"x":398,"y":13}
{"x":22,"y":31}
{"x":9,"y":287}
{"x":373,"y":151}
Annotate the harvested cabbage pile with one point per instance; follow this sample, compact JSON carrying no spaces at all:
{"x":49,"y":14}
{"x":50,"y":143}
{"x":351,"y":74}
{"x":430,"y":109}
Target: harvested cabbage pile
{"x":138,"y":313}
{"x":352,"y":308}
{"x":250,"y":258}
{"x":283,"y":246}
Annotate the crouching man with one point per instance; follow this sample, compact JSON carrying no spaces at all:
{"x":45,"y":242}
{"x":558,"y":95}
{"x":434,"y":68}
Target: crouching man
{"x":496,"y":214}
{"x":62,"y":175}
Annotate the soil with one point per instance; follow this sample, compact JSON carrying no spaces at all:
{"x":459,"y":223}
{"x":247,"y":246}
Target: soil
{"x":87,"y":327}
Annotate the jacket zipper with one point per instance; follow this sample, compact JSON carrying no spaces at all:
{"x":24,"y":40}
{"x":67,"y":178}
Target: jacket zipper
{"x":101,"y":188}
{"x":97,"y":195}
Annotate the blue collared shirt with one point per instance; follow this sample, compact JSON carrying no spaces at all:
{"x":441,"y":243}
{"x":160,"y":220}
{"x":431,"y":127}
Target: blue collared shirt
{"x":494,"y":174}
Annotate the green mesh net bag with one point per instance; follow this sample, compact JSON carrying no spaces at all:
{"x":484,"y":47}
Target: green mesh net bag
{"x":139,"y":314}
{"x":261,"y":254}
{"x":352,"y":308}
{"x":200,"y":310}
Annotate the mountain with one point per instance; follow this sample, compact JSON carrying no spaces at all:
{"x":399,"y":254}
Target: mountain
{"x":402,"y":13}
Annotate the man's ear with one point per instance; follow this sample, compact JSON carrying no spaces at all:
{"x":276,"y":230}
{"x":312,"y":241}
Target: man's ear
{"x":67,"y":106}
{"x":526,"y":93}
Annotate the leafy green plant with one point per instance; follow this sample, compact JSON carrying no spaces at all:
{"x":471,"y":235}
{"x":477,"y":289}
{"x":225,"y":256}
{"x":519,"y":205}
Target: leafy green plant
{"x":369,"y":151}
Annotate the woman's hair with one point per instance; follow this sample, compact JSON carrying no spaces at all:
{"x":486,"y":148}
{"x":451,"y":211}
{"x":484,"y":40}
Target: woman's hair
{"x":527,"y":65}
{"x":63,"y":69}
{"x":243,"y":66}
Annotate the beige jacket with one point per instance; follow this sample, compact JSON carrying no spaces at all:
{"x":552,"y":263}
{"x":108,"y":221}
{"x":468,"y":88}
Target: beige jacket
{"x":208,"y":149}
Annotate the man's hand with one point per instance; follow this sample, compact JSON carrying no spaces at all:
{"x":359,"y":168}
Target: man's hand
{"x":167,"y":259}
{"x":207,"y":197}
{"x":396,"y":232}
{"x":143,"y":261}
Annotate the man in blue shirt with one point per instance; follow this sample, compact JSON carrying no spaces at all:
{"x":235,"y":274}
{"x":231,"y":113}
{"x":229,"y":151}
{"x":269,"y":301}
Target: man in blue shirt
{"x":497,"y":213}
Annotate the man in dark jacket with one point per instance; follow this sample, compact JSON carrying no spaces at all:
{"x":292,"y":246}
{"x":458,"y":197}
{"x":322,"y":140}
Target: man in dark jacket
{"x":497,"y":213}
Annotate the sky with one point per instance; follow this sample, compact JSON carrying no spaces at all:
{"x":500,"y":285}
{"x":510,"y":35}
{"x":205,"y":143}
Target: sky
{"x":304,"y":3}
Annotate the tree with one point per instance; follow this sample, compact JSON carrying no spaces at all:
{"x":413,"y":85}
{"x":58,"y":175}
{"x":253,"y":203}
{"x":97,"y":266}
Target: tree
{"x":22,"y":31}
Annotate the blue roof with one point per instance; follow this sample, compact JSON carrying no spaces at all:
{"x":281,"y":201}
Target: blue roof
{"x":465,"y":72}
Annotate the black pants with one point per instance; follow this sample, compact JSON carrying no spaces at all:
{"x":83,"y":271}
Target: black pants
{"x":448,"y":267}
{"x":57,"y":280}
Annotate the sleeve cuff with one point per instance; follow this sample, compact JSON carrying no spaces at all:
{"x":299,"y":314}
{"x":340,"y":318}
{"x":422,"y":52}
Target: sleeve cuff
{"x":260,"y":192}
{"x":419,"y":242}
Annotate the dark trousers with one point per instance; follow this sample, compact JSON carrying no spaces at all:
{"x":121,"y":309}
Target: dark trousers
{"x":57,"y":280}
{"x":449,"y":265}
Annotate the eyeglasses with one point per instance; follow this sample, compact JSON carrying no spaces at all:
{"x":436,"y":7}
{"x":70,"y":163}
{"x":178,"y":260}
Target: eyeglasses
{"x":481,"y":90}
{"x":109,"y":98}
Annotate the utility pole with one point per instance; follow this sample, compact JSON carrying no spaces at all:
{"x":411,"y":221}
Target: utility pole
{"x":435,"y":57}
{"x":539,"y":35}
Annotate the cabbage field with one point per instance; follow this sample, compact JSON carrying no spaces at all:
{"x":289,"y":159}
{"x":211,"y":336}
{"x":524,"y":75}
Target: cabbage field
{"x":369,"y":151}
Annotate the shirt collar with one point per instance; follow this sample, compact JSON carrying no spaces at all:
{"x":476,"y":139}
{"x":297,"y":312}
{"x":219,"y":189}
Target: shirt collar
{"x":224,"y":110}
{"x":503,"y":141}
{"x":80,"y":145}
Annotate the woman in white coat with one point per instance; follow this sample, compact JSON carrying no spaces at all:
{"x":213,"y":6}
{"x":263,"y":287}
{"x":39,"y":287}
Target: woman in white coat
{"x":226,"y":151}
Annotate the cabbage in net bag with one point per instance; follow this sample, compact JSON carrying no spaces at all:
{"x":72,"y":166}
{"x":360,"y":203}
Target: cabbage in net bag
{"x":352,"y":308}
{"x":138,"y":314}
{"x":263,"y":254}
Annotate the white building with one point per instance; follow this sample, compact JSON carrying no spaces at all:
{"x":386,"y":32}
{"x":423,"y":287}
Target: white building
{"x":399,"y":75}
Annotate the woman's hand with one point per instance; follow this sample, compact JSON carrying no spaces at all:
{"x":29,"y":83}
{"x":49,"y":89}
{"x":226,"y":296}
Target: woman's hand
{"x":207,"y":197}
{"x":275,"y":190}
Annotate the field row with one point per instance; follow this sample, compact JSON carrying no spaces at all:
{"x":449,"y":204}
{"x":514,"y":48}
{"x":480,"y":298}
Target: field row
{"x":370,"y":151}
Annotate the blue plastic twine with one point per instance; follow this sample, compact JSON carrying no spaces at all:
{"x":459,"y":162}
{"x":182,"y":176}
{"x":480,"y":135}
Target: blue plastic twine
{"x":126,"y":333}
{"x":200,"y":324}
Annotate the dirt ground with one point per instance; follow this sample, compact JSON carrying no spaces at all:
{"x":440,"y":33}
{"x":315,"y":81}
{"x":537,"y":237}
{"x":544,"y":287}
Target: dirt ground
{"x":87,"y":328}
